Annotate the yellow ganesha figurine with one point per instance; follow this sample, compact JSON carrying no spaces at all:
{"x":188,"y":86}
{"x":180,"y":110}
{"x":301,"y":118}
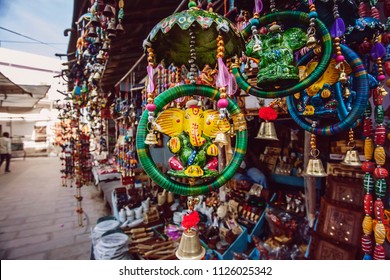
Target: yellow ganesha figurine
{"x":192,"y":131}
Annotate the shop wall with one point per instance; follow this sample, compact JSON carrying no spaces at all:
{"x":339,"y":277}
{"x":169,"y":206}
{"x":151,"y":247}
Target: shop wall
{"x":24,"y":131}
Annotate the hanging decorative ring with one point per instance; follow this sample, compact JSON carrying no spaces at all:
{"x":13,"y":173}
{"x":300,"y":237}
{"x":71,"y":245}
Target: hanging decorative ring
{"x":288,"y":16}
{"x":358,"y":107}
{"x":164,"y":181}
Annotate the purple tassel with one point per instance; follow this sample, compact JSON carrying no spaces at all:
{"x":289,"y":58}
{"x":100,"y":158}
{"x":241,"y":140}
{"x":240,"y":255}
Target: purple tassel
{"x":338,"y":28}
{"x":378,"y":50}
{"x":258,"y":6}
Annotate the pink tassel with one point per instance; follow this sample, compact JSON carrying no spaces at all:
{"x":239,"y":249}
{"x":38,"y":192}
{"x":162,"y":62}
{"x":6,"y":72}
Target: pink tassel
{"x":150,"y":87}
{"x":258,"y":6}
{"x":232,"y":85}
{"x":223,"y":74}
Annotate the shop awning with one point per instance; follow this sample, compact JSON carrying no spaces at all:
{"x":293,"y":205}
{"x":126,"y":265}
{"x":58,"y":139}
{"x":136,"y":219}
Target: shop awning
{"x":14,"y":98}
{"x":15,"y":102}
{"x":7,"y":87}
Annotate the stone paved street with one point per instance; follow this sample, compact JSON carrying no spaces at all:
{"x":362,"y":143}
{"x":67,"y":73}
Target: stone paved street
{"x":37,"y":216}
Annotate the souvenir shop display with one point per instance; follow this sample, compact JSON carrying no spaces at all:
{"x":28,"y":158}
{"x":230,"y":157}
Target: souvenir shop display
{"x":318,"y":69}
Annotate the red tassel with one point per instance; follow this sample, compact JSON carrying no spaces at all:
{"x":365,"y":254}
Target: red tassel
{"x":268,"y":114}
{"x":190,"y":220}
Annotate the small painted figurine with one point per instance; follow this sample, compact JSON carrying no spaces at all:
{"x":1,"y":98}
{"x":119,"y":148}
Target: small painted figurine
{"x":276,"y":57}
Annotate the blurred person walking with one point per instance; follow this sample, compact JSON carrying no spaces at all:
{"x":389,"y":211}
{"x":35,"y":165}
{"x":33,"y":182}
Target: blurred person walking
{"x":5,"y":151}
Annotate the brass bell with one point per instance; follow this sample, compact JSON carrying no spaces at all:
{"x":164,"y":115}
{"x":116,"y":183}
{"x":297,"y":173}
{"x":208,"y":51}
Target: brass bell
{"x":347,"y":92}
{"x":97,"y":41}
{"x":111,"y":35}
{"x":220,"y":139}
{"x":267,"y":131}
{"x":100,"y":55}
{"x":190,"y":247}
{"x":96,"y":76}
{"x":151,"y":139}
{"x":257,"y":48}
{"x":343,"y":77}
{"x":106,"y":46}
{"x":95,"y":21}
{"x":315,"y":168}
{"x":311,"y":42}
{"x":383,"y":91}
{"x":119,"y":28}
{"x":109,"y":11}
{"x":352,"y":158}
{"x":92,"y":32}
{"x":111,"y":28}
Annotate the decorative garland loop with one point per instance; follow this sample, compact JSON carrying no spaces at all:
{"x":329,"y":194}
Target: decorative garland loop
{"x":164,"y":181}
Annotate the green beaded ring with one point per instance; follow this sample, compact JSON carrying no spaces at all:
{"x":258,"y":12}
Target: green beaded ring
{"x":164,"y":181}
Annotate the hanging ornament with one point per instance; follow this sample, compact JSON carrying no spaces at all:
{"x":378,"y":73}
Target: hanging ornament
{"x":151,"y":138}
{"x":121,"y":13}
{"x":314,"y":166}
{"x":267,"y":129}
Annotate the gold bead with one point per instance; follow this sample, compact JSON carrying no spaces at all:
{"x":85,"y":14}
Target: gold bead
{"x":150,"y":100}
{"x":221,"y":49}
